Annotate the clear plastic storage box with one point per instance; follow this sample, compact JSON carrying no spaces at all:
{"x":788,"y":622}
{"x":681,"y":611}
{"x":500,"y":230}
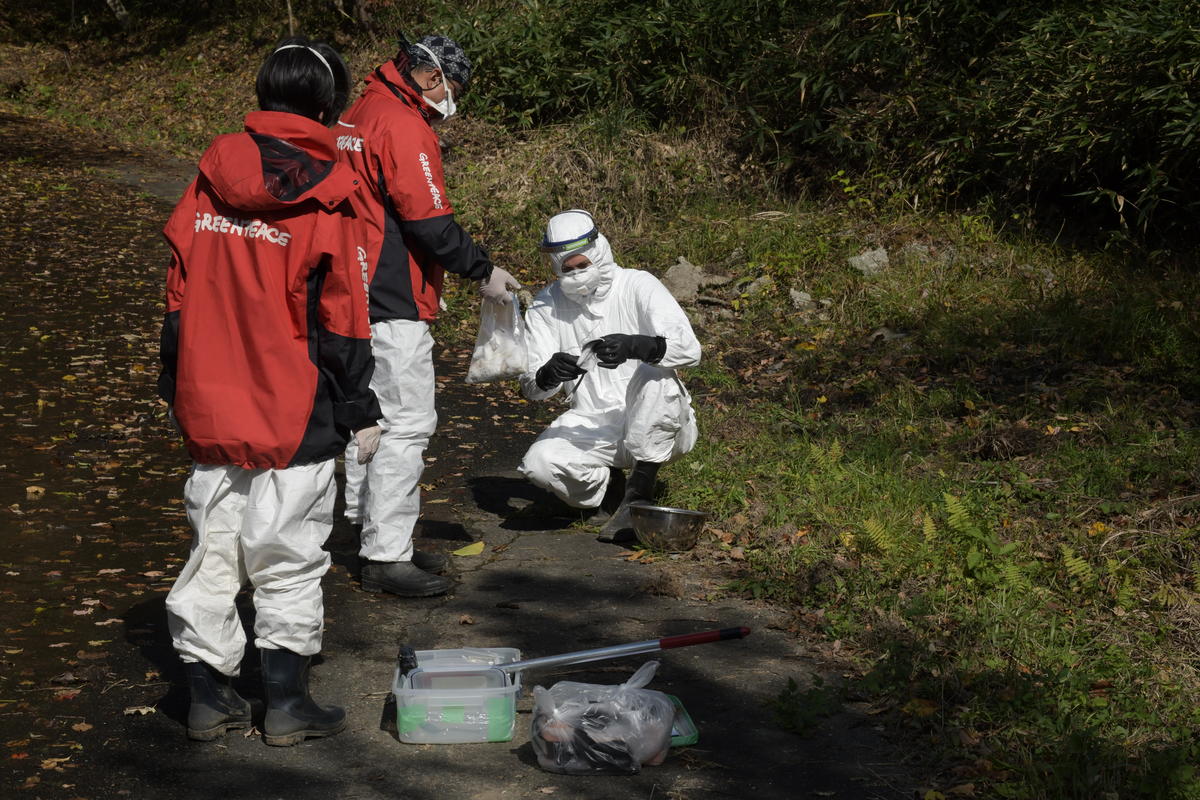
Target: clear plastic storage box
{"x":457,"y":696}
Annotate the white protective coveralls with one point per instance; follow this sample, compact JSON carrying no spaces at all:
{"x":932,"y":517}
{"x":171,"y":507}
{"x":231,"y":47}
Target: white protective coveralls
{"x":264,"y":525}
{"x":404,"y":383}
{"x":634,"y":412}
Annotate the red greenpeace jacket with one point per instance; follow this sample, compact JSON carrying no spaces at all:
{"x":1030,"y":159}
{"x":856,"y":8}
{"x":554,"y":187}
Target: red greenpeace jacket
{"x":413,"y":236}
{"x":266,"y":346}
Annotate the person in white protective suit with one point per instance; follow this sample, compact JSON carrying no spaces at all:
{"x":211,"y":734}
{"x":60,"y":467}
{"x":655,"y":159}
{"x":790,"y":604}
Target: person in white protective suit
{"x":632,"y":412}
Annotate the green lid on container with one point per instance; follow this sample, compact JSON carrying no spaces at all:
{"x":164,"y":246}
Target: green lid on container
{"x":683,"y":730}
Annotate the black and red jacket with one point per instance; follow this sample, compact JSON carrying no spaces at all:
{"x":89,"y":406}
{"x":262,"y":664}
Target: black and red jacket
{"x":266,"y":345}
{"x":413,"y":236}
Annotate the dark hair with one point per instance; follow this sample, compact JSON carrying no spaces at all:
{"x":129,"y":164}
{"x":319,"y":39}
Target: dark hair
{"x":295,"y":81}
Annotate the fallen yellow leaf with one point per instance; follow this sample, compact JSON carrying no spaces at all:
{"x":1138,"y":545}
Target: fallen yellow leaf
{"x":473,"y":549}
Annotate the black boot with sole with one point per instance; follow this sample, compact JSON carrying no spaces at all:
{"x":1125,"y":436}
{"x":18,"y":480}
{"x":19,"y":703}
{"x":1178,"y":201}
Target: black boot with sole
{"x":292,"y":715}
{"x":402,"y":578}
{"x":216,"y":706}
{"x":639,"y":488}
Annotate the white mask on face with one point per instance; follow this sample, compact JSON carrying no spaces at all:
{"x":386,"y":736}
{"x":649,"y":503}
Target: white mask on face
{"x":446,"y":107}
{"x":580,"y":282}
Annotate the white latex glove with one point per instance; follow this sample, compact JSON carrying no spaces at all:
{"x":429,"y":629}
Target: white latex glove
{"x":497,"y":287}
{"x":367,"y":440}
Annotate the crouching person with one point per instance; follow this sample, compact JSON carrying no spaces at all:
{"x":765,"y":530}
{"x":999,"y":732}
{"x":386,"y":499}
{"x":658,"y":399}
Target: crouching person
{"x":266,"y":367}
{"x":633,"y":412}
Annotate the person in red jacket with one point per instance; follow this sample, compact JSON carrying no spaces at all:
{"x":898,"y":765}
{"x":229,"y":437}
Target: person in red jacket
{"x":388,"y":137}
{"x":266,"y":369}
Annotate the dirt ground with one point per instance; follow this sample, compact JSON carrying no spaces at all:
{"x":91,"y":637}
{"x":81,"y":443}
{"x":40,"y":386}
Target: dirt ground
{"x":91,"y":699}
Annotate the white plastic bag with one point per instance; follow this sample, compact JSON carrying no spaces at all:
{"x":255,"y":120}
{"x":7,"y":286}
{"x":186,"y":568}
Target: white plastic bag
{"x":500,"y":346}
{"x":589,"y":729}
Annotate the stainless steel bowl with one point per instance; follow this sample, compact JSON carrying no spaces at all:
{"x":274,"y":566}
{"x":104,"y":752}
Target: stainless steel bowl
{"x":666,"y":528}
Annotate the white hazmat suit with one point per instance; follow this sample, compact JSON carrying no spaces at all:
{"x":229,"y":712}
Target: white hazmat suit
{"x":262,"y":525}
{"x":635,"y":412}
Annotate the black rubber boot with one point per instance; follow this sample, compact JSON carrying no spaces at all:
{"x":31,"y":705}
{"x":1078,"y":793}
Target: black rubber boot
{"x":216,"y":706}
{"x":638,"y":489}
{"x":292,"y":715}
{"x":402,"y":578}
{"x":430,"y":562}
{"x":614,"y":494}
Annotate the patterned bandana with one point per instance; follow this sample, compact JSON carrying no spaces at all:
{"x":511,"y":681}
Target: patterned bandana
{"x":455,"y":64}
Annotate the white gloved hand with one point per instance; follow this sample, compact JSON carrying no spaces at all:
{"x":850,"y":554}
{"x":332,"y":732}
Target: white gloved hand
{"x":367,"y":440}
{"x":497,"y":287}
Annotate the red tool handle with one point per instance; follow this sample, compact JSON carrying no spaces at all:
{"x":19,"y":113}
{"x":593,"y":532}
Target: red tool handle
{"x":686,"y":639}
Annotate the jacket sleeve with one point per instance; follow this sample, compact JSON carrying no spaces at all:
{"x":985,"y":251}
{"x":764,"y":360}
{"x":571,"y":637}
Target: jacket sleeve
{"x":659,"y":314}
{"x":178,"y":233}
{"x":411,"y":163}
{"x":541,"y":342}
{"x":445,"y":241}
{"x":344,"y":332}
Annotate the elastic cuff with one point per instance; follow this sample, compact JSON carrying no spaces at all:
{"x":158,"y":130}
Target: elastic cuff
{"x":661,"y":351}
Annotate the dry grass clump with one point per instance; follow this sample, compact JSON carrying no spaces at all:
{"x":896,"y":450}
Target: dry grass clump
{"x":505,"y":184}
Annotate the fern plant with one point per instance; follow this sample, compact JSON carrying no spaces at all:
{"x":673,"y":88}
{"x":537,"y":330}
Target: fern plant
{"x":1015,"y":577}
{"x":1079,"y":570}
{"x":929,"y":529}
{"x":879,"y":536}
{"x":987,"y":558}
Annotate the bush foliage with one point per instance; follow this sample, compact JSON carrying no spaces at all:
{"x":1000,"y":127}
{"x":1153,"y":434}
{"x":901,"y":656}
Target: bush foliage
{"x":1074,"y":105}
{"x":1083,"y":110}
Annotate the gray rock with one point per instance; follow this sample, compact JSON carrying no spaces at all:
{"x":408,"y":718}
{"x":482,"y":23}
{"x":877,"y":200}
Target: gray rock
{"x":683,"y":280}
{"x":886,"y":334}
{"x":872,"y":262}
{"x":914,"y":252}
{"x":715,"y":280}
{"x":802,"y":301}
{"x":759,"y":285}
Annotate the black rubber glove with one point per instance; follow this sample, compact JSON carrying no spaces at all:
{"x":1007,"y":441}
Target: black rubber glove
{"x":617,"y":348}
{"x":561,"y":367}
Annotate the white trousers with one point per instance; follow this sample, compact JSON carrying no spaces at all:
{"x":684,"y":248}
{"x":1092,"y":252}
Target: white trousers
{"x":262,"y":525}
{"x":385,"y":495}
{"x":571,"y":458}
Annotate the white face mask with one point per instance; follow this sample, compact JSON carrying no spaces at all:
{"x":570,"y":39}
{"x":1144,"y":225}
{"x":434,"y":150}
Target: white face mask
{"x":446,"y":107}
{"x":580,"y":282}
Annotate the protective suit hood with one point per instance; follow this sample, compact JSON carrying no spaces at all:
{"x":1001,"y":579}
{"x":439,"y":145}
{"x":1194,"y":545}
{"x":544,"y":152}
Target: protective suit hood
{"x":574,"y":233}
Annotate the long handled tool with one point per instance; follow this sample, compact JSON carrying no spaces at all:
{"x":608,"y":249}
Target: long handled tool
{"x":631,"y":649}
